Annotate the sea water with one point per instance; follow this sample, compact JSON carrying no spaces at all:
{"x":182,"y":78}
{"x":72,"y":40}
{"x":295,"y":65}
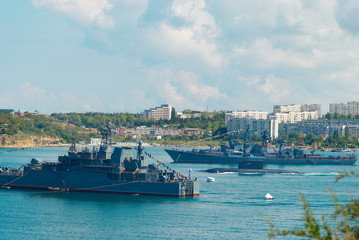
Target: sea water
{"x":232,"y":207}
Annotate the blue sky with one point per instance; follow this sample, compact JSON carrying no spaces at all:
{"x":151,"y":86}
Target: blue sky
{"x":130,"y":55}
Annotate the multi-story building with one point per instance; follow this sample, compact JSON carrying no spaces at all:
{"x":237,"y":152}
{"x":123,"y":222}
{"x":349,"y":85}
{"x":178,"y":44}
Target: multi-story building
{"x":157,"y":131}
{"x":182,"y":115}
{"x":246,"y":114}
{"x":152,"y":131}
{"x":312,"y":108}
{"x":293,"y":117}
{"x":159,"y":113}
{"x":351,"y":108}
{"x":322,"y":127}
{"x":295,"y":112}
{"x":255,"y":126}
{"x":286,"y":108}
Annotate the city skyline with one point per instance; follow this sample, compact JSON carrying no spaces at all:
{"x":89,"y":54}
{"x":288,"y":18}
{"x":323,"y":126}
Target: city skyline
{"x":127,"y":56}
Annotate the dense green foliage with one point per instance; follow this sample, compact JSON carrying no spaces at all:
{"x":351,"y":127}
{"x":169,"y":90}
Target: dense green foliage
{"x":207,"y":124}
{"x":66,"y":125}
{"x":334,"y":140}
{"x":337,"y":116}
{"x":39,"y":125}
{"x":344,"y":220}
{"x":98,"y":120}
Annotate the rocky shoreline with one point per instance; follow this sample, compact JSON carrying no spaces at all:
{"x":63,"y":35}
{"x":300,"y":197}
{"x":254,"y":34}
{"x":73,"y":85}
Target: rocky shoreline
{"x":15,"y":141}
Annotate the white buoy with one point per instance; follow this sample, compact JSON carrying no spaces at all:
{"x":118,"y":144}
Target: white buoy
{"x":269,"y":197}
{"x":211,"y":179}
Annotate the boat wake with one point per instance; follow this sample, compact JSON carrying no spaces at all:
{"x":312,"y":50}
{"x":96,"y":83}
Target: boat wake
{"x":226,"y":173}
{"x":321,"y":174}
{"x":247,"y":173}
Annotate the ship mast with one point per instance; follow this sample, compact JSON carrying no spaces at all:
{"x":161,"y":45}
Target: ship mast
{"x":265,"y":138}
{"x":106,"y":142}
{"x":246,"y":142}
{"x":139,"y":150}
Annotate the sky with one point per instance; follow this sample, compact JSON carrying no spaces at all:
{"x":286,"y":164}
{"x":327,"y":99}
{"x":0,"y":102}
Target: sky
{"x":132,"y":55}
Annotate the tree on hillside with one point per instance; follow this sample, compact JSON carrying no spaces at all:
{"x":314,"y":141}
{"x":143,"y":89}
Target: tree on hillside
{"x":336,"y":134}
{"x":173,"y":114}
{"x":328,"y":116}
{"x":347,"y":133}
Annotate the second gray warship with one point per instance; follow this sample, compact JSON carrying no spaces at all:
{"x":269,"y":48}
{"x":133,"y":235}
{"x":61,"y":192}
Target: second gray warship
{"x":235,"y":152}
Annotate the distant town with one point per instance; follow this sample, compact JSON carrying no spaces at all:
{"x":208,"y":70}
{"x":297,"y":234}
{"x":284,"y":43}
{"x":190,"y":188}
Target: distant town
{"x":164,"y":122}
{"x":305,"y":118}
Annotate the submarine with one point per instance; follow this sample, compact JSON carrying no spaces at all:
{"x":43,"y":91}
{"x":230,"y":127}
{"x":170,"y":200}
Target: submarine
{"x":251,"y":166}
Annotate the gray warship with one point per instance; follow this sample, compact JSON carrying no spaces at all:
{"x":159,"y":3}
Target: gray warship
{"x":235,"y":152}
{"x":103,"y":171}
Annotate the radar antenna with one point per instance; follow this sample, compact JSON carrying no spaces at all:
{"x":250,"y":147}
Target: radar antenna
{"x":139,"y":150}
{"x":106,"y":135}
{"x":265,"y":138}
{"x":106,"y":142}
{"x":246,"y":142}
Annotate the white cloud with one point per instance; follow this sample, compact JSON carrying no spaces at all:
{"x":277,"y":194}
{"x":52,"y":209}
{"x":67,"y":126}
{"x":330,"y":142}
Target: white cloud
{"x":252,"y":81}
{"x":180,"y":43}
{"x":193,"y":41}
{"x":32,"y":93}
{"x":35,"y":98}
{"x":183,"y":89}
{"x":164,"y":87}
{"x":92,"y":103}
{"x":7,"y":100}
{"x":274,"y":90}
{"x":187,"y":52}
{"x":83,"y":10}
{"x":193,"y":11}
{"x":197,"y":89}
{"x":32,"y":97}
{"x":261,"y":53}
{"x":68,"y":99}
{"x":347,"y":79}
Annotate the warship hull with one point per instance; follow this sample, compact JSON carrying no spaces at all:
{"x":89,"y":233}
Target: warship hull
{"x":96,"y":182}
{"x":181,"y":156}
{"x":196,"y":157}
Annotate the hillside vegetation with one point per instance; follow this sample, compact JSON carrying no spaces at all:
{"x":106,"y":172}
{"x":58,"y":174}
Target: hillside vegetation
{"x":64,"y":127}
{"x":28,"y":129}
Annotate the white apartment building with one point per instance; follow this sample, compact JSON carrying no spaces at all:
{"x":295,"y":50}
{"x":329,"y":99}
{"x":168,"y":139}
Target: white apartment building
{"x":295,"y":112}
{"x":255,"y":126}
{"x":294,"y":117}
{"x":351,"y":108}
{"x":246,"y":114}
{"x":312,"y":108}
{"x":182,"y":115}
{"x":159,"y":113}
{"x":287,"y":108}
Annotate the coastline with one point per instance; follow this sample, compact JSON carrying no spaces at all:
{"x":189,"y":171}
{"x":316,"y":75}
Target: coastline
{"x":34,"y":146}
{"x":125,"y":144}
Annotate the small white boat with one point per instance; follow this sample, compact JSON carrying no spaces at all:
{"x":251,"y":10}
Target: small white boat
{"x":211,"y":179}
{"x":269,"y":197}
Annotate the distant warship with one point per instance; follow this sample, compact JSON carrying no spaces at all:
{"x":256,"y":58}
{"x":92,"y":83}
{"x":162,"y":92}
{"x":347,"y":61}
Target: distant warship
{"x":103,"y":171}
{"x":235,"y":152}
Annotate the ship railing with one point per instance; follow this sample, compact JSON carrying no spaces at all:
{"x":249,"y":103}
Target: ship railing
{"x":50,"y":163}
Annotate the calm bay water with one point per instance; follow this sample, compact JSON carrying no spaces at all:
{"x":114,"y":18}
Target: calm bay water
{"x":229,"y":208}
